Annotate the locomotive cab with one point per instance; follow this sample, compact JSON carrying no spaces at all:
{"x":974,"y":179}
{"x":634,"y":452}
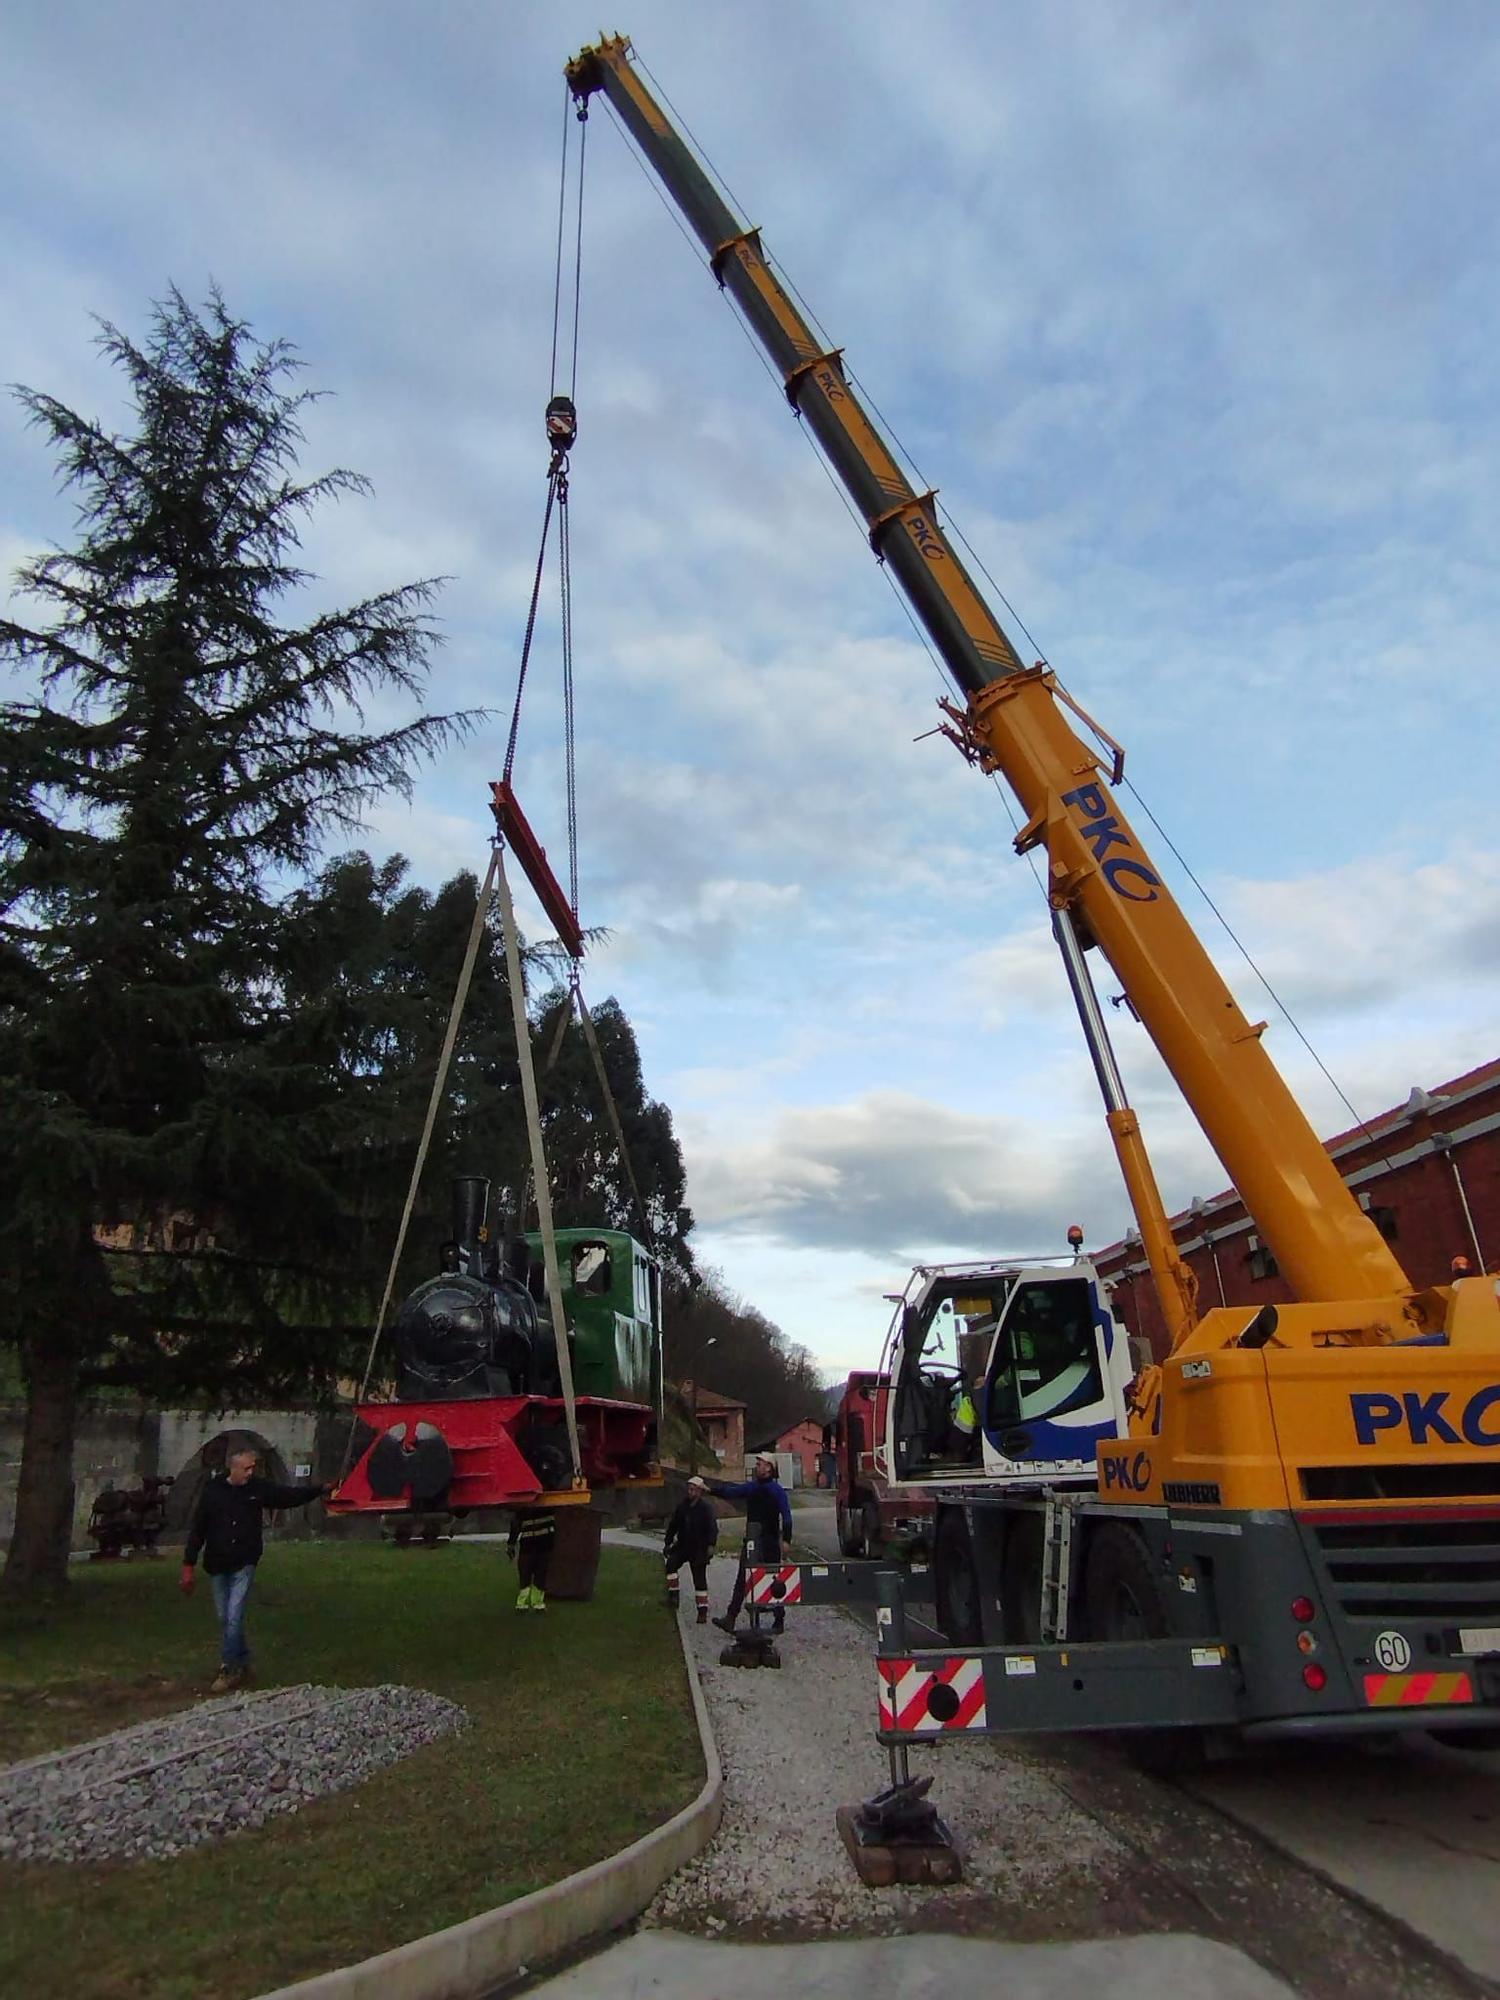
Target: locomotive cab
{"x":479,"y":1418}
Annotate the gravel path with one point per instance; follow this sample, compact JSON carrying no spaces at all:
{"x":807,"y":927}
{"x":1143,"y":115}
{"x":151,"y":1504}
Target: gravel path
{"x":163,"y":1786}
{"x":798,"y":1743}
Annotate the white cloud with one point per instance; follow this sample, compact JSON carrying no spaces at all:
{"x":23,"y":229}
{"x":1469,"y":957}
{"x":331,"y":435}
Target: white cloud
{"x":1199,"y":359}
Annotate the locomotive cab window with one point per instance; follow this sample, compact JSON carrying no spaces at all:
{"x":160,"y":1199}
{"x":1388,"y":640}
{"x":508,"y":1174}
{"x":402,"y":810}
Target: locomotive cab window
{"x":591,"y":1269}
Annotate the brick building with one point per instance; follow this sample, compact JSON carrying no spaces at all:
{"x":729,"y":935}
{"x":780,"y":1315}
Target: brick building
{"x":1427,"y":1173}
{"x":802,"y":1441}
{"x":722,"y":1421}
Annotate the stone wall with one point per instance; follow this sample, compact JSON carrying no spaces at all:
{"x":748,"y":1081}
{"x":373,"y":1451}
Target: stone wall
{"x":119,"y":1446}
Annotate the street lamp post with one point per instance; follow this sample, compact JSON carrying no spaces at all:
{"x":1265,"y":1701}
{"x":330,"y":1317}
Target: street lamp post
{"x":698,"y":1354}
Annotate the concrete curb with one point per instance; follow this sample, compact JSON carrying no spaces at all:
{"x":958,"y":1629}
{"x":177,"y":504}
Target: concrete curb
{"x":468,"y":1959}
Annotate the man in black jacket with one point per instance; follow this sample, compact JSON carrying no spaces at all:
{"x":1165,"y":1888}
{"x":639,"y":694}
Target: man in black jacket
{"x":533,"y":1531}
{"x":691,"y":1534}
{"x":227,"y":1530}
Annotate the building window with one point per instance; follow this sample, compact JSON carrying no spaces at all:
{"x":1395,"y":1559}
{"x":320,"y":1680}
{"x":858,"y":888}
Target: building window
{"x":1384,"y":1220}
{"x":1262,"y":1263}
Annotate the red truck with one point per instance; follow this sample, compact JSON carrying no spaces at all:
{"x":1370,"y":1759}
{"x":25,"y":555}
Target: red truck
{"x":875,"y":1518}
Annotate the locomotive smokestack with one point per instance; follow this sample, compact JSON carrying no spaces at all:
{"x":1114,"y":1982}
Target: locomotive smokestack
{"x":471,"y":1201}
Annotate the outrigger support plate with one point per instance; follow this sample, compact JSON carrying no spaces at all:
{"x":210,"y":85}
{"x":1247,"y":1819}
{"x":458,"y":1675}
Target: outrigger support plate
{"x":898,"y":1836}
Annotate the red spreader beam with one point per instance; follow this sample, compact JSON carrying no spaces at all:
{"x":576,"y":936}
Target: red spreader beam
{"x":516,"y":829}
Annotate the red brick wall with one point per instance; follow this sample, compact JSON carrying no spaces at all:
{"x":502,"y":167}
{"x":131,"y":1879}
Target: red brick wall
{"x":1402,"y":1167}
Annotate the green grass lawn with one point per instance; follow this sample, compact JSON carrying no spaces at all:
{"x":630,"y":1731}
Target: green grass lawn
{"x":582,"y":1740}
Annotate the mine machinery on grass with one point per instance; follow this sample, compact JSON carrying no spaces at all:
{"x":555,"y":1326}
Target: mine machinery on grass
{"x":1288,"y":1527}
{"x":478,"y":1418}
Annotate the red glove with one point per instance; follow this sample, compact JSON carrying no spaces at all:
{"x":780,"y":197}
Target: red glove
{"x":188,"y":1578}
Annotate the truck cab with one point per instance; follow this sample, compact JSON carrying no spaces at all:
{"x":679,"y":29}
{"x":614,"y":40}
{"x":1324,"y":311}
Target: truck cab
{"x":875,"y":1518}
{"x":1004,"y":1372}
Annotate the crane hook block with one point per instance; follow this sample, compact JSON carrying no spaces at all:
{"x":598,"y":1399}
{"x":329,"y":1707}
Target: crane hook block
{"x":562,"y":423}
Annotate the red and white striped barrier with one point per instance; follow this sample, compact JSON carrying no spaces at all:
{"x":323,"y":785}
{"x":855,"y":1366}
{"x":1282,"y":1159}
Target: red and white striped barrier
{"x":922,"y":1701}
{"x":764,"y":1594}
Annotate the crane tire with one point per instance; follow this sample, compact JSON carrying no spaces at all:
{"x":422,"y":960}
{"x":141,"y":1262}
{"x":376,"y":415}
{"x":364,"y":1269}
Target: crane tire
{"x":957,"y":1581}
{"x":1021,"y":1581}
{"x":1125,"y":1598}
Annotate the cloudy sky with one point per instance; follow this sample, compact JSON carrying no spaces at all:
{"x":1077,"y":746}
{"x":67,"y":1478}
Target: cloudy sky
{"x":1188,"y":310}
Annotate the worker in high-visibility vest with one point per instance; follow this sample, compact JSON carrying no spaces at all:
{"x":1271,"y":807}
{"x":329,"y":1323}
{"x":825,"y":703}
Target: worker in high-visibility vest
{"x":533,"y":1530}
{"x":964,"y":1420}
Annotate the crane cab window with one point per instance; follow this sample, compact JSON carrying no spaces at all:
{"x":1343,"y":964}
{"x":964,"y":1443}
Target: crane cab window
{"x":946,"y":1353}
{"x":592,"y":1273}
{"x":1046,"y":1361}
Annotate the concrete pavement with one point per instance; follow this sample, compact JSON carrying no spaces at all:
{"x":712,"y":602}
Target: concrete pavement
{"x":1414,"y":1829}
{"x":660,"y":1965}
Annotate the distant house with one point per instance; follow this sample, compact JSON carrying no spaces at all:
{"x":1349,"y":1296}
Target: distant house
{"x":722,"y":1422}
{"x":803,"y":1443}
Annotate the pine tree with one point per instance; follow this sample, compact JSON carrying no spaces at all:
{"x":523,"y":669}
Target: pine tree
{"x":184,"y":752}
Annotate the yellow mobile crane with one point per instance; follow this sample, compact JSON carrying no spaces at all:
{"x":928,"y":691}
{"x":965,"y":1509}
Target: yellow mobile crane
{"x":1292,"y":1524}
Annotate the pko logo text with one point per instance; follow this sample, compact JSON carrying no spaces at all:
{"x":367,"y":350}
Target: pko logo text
{"x":1431,"y":1418}
{"x":1133,"y":1474}
{"x":1126,"y":875}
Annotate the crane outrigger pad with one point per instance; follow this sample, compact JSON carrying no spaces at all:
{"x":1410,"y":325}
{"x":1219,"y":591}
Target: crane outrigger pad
{"x":898,"y":1836}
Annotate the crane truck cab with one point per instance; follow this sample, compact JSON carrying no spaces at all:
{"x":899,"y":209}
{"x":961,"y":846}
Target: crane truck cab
{"x":1003,"y":1373}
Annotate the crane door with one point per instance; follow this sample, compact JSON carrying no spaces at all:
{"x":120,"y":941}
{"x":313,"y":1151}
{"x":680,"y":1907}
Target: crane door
{"x":1054,"y":1384}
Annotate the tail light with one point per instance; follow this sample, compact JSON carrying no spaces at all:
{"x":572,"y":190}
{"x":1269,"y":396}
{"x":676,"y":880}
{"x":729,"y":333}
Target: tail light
{"x":1304,"y":1610}
{"x":1315,"y":1677}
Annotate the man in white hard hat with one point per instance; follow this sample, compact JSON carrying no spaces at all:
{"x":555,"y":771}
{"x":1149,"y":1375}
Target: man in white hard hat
{"x":691,"y":1534}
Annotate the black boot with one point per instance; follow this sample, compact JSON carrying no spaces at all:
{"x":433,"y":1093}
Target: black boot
{"x":726,"y":1623}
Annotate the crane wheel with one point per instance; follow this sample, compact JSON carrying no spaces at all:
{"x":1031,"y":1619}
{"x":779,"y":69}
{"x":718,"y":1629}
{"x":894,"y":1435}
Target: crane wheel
{"x":1125,"y":1598}
{"x":851,"y":1530}
{"x":1021,"y":1581}
{"x":956,"y":1580}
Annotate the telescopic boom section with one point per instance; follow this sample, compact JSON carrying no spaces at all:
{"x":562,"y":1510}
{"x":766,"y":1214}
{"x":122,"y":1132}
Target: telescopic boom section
{"x":1016,"y":724}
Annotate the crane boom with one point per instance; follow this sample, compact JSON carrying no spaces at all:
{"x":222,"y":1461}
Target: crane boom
{"x":1100,"y":879}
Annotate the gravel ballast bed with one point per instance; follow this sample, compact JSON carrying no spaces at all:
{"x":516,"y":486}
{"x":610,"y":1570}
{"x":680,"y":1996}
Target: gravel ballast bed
{"x":154,"y":1790}
{"x":798,"y":1743}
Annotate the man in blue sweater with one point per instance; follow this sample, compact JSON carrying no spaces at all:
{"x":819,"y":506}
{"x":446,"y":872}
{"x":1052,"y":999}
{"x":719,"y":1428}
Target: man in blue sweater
{"x":768,"y":1524}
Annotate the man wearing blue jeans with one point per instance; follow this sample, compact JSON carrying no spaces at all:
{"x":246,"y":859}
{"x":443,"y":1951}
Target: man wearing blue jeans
{"x":227,"y":1530}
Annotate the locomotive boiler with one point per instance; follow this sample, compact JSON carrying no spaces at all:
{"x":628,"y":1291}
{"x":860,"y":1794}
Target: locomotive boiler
{"x":478,"y":1417}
